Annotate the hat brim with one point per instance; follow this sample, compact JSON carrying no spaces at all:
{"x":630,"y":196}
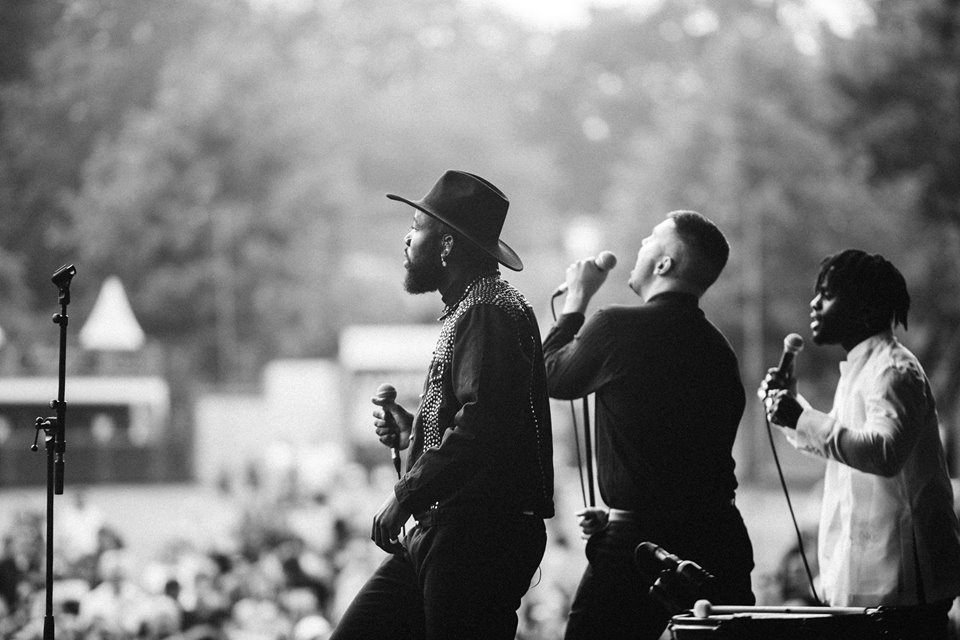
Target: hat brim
{"x":501,"y":251}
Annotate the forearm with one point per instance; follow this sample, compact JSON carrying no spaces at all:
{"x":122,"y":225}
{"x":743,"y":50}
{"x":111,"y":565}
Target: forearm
{"x":575,"y":302}
{"x":567,"y":359}
{"x":877,"y":447}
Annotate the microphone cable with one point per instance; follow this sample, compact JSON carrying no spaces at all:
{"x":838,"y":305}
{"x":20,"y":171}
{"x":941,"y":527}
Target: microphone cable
{"x":793,"y":517}
{"x":576,"y":428}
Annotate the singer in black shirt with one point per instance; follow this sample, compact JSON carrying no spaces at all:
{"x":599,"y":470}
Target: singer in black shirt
{"x":668,"y":403}
{"x":479,"y":477}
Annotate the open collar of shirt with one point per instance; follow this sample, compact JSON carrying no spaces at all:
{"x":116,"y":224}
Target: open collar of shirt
{"x":862,"y":352}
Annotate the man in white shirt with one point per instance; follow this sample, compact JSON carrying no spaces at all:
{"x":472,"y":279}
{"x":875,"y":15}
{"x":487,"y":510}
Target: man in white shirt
{"x":888,"y":535}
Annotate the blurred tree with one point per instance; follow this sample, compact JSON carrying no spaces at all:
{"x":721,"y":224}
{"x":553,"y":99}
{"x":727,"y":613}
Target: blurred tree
{"x":243,"y":200}
{"x":25,"y":27}
{"x":178,"y":200}
{"x":901,"y":124}
{"x":81,"y":66}
{"x":722,"y":108}
{"x":228,"y":159}
{"x":902,"y":79}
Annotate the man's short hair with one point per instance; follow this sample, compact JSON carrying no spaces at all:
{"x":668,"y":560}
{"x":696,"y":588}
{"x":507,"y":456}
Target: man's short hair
{"x":870,"y":281}
{"x":706,"y":243}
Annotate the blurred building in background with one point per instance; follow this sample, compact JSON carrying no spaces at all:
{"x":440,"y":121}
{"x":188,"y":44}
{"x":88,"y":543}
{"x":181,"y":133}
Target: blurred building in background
{"x":118,"y":405}
{"x":119,"y":413}
{"x":309,"y":412}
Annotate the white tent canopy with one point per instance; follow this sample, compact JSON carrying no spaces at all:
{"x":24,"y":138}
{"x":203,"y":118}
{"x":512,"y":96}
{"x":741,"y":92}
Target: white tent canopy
{"x":112,"y":325}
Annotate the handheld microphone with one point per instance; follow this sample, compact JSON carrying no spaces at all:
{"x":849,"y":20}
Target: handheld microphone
{"x":604,"y":261}
{"x":792,"y":345}
{"x":388,"y":395}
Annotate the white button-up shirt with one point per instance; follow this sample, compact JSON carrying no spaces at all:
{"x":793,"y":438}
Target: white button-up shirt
{"x":887,"y":500}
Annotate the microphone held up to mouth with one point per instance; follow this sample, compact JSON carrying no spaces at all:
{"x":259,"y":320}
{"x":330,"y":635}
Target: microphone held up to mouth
{"x":604,"y":261}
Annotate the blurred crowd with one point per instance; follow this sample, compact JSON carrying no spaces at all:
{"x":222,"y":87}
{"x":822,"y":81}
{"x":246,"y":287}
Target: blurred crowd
{"x":298,"y":553}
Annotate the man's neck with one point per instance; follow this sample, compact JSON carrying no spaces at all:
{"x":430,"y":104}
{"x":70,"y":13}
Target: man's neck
{"x":456,"y":282}
{"x":850,"y":343}
{"x":665,"y":285}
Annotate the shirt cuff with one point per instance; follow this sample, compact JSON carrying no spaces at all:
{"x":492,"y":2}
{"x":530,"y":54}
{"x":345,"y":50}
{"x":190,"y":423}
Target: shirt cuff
{"x":814,"y":428}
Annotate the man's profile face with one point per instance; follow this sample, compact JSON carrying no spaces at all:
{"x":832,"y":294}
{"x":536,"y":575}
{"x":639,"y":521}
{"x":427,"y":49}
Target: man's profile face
{"x":422,"y":252}
{"x":652,"y":248}
{"x":834,"y":319}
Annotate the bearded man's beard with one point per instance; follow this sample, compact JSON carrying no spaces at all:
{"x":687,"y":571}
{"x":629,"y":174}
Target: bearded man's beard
{"x":423,"y":276}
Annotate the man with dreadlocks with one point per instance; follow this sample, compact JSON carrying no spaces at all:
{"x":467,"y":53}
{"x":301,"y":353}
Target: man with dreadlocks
{"x":889,"y":535}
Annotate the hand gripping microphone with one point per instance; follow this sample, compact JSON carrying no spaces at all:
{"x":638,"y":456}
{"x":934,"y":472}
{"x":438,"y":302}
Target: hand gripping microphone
{"x":388,"y":395}
{"x":792,"y":345}
{"x":604,"y":261}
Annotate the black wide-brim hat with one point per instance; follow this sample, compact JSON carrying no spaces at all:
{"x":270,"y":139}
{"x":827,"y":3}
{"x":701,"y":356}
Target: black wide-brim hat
{"x":474,"y":208}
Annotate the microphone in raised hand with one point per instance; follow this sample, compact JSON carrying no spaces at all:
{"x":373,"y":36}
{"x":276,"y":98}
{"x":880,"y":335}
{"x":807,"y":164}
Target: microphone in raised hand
{"x":387,"y":398}
{"x":792,"y":345}
{"x":781,"y":376}
{"x":604,"y":261}
{"x":779,"y":387}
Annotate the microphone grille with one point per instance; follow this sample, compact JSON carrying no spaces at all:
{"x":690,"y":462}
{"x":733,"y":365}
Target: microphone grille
{"x":793,"y":343}
{"x":386,"y":392}
{"x":645,"y":559}
{"x":606,"y":260}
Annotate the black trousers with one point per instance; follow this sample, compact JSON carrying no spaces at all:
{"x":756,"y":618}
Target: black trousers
{"x":613,"y":600}
{"x":459,"y":581}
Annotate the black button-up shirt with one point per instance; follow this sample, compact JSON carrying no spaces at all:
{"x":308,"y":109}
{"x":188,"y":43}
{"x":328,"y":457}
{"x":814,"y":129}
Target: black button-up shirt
{"x":668,"y":401}
{"x":481,"y":441}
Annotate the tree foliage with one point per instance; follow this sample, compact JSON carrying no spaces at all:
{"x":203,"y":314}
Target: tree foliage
{"x":900,"y":122}
{"x":229,"y":159}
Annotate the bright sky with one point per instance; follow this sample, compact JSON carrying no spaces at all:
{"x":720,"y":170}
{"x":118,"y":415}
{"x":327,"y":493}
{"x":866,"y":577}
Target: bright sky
{"x":843,"y":17}
{"x":557,"y":14}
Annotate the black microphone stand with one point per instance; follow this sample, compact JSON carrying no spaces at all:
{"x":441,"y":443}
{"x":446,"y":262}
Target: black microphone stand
{"x":54,"y":436}
{"x":588,"y":448}
{"x":586,"y":428}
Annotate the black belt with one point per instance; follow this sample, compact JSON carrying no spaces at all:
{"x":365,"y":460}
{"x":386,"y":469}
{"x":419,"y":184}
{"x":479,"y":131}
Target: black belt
{"x":622,"y":515}
{"x":461,"y":515}
{"x":625,"y":515}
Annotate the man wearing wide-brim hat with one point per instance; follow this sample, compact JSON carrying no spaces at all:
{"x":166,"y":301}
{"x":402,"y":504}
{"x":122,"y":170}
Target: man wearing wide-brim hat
{"x":479,"y":476}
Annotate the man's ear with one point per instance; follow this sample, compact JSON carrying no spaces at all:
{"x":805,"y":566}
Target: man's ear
{"x":446,"y":245}
{"x":663,"y":266}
